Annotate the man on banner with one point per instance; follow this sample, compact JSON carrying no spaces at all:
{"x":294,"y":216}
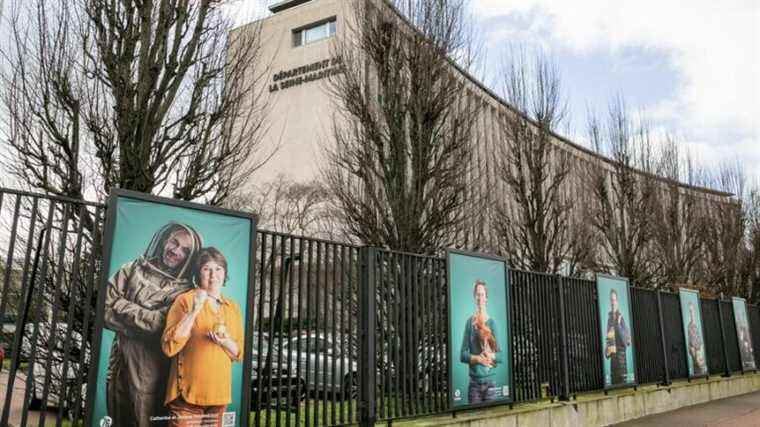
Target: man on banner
{"x":695,"y":344}
{"x":745,"y":346}
{"x":618,"y":341}
{"x":138,"y":298}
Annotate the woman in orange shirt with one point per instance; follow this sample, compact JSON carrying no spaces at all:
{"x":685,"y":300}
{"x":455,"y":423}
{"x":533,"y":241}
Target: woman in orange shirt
{"x":203,"y":336}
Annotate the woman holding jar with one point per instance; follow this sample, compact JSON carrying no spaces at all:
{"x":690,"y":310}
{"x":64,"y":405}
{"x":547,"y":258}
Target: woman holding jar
{"x":203,"y":337}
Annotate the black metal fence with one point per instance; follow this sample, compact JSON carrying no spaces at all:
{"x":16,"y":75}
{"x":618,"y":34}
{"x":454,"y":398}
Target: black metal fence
{"x":536,"y":335}
{"x":675,"y":341}
{"x":305,"y":369}
{"x":584,"y":348}
{"x":50,"y":260}
{"x":731,"y":342}
{"x":754,"y":326}
{"x":342,"y":334}
{"x":714,"y":330}
{"x":648,"y":336}
{"x":408,"y":301}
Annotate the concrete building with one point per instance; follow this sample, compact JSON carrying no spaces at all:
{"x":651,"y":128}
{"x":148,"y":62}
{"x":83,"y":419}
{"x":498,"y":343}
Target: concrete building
{"x":298,"y":37}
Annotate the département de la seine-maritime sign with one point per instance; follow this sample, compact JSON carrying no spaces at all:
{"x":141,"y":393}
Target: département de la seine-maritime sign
{"x":307,"y":73}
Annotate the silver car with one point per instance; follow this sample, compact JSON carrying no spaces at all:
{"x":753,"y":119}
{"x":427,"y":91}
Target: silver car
{"x":272,"y":381}
{"x":323,"y":364}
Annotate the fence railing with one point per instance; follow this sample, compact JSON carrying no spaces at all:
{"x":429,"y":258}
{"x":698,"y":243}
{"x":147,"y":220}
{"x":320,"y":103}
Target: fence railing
{"x":675,"y":341}
{"x":305,"y":331}
{"x":584,"y":347}
{"x":648,"y":335}
{"x":50,"y":255}
{"x":408,"y":365}
{"x":342,"y":334}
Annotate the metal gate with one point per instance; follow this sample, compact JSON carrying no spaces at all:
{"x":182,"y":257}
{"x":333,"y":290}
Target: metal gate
{"x":49,"y":251}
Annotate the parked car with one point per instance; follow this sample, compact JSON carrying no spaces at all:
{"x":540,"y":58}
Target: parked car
{"x":278,"y":383}
{"x":8,"y":333}
{"x":394,"y":371}
{"x":321,"y":365}
{"x":431,"y":365}
{"x":9,"y":325}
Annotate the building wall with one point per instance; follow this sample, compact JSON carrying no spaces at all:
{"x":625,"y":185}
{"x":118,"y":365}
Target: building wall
{"x":300,"y":117}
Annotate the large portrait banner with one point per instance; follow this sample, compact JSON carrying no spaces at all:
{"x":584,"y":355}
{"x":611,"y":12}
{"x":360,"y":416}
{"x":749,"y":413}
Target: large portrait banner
{"x":691,"y":319}
{"x":743,"y":335}
{"x":480,"y":346}
{"x":615,"y":321}
{"x":172,"y":342}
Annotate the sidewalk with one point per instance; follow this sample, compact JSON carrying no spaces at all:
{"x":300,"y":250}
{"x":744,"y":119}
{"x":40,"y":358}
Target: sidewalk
{"x":17,"y":400}
{"x":739,"y":411}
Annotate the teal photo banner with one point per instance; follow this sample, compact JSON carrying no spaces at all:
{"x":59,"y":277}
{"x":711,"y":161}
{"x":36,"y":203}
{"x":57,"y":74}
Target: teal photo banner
{"x":480,"y":334}
{"x":616,"y":324}
{"x":160,"y":263}
{"x":743,"y":335}
{"x":691,"y":319}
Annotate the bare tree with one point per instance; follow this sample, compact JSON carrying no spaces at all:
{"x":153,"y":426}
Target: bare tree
{"x":403,"y":134}
{"x":623,"y":191}
{"x":151,"y":96}
{"x":723,"y":249}
{"x":401,"y":169}
{"x":287,"y":206}
{"x":583,"y":256}
{"x":532,"y":222}
{"x":753,"y":244}
{"x":678,"y":222}
{"x":154,"y":96}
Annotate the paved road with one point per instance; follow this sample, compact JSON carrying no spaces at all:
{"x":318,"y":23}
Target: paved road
{"x":739,"y":411}
{"x":16,"y":401}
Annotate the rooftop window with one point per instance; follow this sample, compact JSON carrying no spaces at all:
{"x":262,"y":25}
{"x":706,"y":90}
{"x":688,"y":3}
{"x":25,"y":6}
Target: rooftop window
{"x":314,"y":32}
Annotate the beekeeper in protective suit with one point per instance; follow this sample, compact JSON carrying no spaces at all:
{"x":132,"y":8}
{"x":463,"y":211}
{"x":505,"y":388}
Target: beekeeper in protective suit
{"x":137,"y":299}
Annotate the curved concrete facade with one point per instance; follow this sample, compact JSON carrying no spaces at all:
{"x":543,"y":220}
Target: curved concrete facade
{"x":301,"y":111}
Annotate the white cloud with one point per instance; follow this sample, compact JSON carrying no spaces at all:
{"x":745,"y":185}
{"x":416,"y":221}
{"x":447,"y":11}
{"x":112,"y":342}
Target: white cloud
{"x":714,"y":46}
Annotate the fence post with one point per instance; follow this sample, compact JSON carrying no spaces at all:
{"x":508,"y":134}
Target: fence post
{"x":727,"y":373}
{"x":754,"y":333}
{"x":565,"y":390}
{"x":661,"y":320}
{"x":367,"y":313}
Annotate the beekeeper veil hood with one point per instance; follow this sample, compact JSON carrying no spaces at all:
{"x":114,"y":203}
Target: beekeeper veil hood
{"x":154,"y":252}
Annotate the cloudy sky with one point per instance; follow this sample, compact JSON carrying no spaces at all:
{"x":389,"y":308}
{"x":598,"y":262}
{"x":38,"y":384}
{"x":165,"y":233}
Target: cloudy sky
{"x":692,"y":66}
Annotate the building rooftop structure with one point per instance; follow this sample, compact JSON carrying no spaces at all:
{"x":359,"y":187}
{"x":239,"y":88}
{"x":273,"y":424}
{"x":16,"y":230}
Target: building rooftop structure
{"x":285,"y":4}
